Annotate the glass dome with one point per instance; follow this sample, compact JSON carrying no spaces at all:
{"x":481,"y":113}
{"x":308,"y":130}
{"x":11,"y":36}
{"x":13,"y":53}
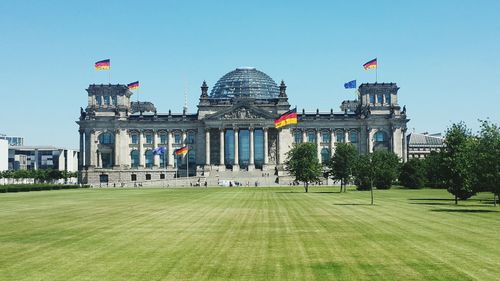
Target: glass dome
{"x":245,"y":82}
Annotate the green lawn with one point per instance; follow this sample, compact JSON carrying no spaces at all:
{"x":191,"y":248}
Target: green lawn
{"x":247,"y":233}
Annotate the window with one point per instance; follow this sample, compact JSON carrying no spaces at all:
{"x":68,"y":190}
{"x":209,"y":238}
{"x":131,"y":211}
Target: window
{"x":339,"y":136}
{"x":311,"y":137}
{"x":178,"y":138}
{"x":372,"y":98}
{"x":380,"y":98}
{"x":149,"y":138}
{"x":163,"y":138}
{"x":388,"y":98}
{"x":148,"y":177}
{"x":134,"y":158}
{"x":258,"y":144}
{"x":325,"y":137}
{"x":380,"y":136}
{"x":103,"y":178}
{"x":162,"y":176}
{"x":163,"y":159}
{"x":149,"y":158}
{"x":106,"y":138}
{"x":353,"y":137}
{"x":114,"y":100}
{"x":134,"y":139}
{"x":98,"y":100}
{"x":325,"y":155}
{"x":106,"y":100}
{"x":297,"y":136}
{"x":190,"y":138}
{"x":133,"y":177}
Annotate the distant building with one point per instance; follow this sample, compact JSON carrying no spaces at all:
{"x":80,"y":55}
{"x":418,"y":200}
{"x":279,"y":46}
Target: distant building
{"x":13,"y":141}
{"x":4,"y":154}
{"x":421,"y":145}
{"x":43,"y":157}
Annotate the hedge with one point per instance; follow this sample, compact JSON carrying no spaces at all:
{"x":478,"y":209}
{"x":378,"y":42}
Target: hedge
{"x":37,"y":187}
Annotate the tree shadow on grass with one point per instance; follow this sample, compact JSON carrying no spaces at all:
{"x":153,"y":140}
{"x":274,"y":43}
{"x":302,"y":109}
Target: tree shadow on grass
{"x":448,"y":204}
{"x":431,"y":199}
{"x":353,"y":204}
{"x":463,"y":211}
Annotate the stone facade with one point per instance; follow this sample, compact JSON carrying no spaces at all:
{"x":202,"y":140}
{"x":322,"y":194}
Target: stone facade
{"x":231,"y":134}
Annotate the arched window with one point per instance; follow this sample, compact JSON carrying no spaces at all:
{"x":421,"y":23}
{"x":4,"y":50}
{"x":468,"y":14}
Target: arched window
{"x":134,"y":158}
{"x":339,"y":136}
{"x":353,"y":137}
{"x":149,"y":158}
{"x":380,"y":136}
{"x":106,"y":138}
{"x":190,"y":137}
{"x":325,"y":155}
{"x":325,"y":136}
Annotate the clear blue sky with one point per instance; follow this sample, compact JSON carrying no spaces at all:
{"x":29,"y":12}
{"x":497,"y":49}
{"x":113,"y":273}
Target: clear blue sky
{"x":443,"y":54}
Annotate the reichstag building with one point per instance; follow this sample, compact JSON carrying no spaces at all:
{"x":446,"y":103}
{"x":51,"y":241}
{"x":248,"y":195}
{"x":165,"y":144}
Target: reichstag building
{"x":231,"y":136}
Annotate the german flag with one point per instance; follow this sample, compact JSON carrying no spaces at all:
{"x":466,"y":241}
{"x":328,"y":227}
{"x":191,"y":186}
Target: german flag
{"x":182,"y":151}
{"x":371,"y":64}
{"x":103,"y":64}
{"x":133,"y":85}
{"x":287,"y":118}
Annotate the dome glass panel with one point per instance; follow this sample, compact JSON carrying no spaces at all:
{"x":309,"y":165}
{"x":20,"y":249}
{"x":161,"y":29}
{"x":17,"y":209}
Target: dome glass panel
{"x":245,"y":82}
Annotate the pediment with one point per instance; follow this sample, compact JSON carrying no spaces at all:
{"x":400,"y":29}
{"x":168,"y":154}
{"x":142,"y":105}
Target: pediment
{"x":241,"y":112}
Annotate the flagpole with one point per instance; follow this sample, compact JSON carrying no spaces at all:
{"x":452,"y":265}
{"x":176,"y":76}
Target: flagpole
{"x":376,"y":71}
{"x":187,"y":162}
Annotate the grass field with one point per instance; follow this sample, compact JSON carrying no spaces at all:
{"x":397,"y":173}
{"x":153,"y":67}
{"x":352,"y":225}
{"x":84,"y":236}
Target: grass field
{"x":247,"y":233}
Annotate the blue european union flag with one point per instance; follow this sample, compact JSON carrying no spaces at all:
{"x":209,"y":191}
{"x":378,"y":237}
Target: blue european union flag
{"x":350,"y":85}
{"x":159,"y":150}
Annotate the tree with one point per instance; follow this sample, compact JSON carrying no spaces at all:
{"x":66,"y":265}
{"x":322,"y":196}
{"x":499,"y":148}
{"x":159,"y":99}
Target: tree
{"x":386,"y":165}
{"x":341,"y":164}
{"x":302,"y":163}
{"x":433,"y":166}
{"x":487,"y":155}
{"x":458,"y":161}
{"x":364,"y":173}
{"x":413,"y":174}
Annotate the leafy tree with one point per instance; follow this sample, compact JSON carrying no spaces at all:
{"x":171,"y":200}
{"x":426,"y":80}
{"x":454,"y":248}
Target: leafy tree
{"x":302,"y":163}
{"x":458,"y":161}
{"x":413,"y":174}
{"x":487,"y":155}
{"x":386,"y":165}
{"x":364,"y":173}
{"x":433,"y":165}
{"x":342,"y":163}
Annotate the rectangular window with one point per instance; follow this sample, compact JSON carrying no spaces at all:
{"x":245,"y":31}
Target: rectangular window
{"x":311,"y":137}
{"x":298,"y":137}
{"x":372,"y":98}
{"x":190,"y":138}
{"x":98,"y":100}
{"x":114,"y":100}
{"x":149,"y":139}
{"x":326,"y":137}
{"x":106,"y":100}
{"x":380,"y":98}
{"x":340,"y":136}
{"x":388,"y":98}
{"x":134,"y":139}
{"x":177,"y":138}
{"x":163,"y":138}
{"x":353,"y":137}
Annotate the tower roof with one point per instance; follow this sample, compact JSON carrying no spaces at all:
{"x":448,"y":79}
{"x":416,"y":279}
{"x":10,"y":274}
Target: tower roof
{"x":245,"y":82}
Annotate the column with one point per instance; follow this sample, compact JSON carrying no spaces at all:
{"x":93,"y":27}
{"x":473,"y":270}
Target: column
{"x":82,"y":153}
{"x":251,"y":165}
{"x":156,"y":157}
{"x":393,"y":138}
{"x":170,"y":148}
{"x":403,"y":144}
{"x":318,"y":145}
{"x":87,"y":148}
{"x":93,"y":149}
{"x":142,"y":157}
{"x":332,"y":142}
{"x":266,"y":159}
{"x":236,"y":148}
{"x":207,"y":147}
{"x":304,"y":135}
{"x":117,"y":149}
{"x":346,"y":136}
{"x":370,"y":142}
{"x":221,"y":147}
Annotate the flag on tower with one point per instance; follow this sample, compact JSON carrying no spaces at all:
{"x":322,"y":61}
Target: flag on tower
{"x":350,"y":84}
{"x":287,"y":118}
{"x":133,"y":85}
{"x":103,"y":64}
{"x":371,"y":64}
{"x":182,"y":151}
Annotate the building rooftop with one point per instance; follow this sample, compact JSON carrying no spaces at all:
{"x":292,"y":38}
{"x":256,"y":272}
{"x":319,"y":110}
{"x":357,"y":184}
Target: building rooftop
{"x":415,"y":139}
{"x":245,"y":82}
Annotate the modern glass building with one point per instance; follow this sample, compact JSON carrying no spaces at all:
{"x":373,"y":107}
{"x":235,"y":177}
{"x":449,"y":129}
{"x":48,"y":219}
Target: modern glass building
{"x":231,"y":136}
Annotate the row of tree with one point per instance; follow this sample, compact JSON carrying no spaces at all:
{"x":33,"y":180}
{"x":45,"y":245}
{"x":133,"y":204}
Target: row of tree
{"x":466,"y":165}
{"x":39,"y":175}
